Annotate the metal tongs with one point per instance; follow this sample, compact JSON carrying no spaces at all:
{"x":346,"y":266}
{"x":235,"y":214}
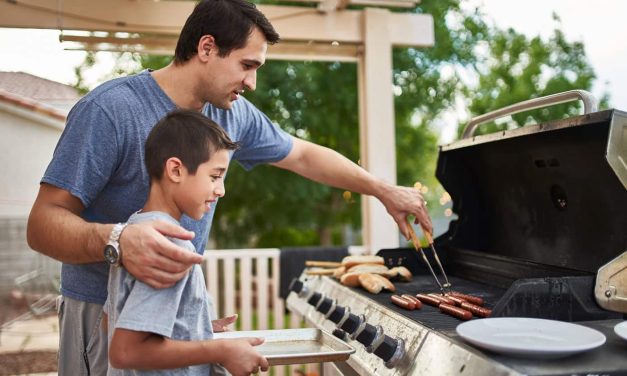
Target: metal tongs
{"x":444,"y":288}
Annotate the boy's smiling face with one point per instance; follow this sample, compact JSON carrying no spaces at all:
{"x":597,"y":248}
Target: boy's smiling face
{"x":196,"y":193}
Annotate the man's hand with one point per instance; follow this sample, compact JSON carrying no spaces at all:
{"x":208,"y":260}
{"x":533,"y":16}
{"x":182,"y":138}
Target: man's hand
{"x":221,"y":325}
{"x":153,"y":259}
{"x":241,"y":358}
{"x":403,"y":201}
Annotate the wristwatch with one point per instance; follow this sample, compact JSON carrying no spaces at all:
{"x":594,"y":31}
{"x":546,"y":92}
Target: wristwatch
{"x":112,"y":251}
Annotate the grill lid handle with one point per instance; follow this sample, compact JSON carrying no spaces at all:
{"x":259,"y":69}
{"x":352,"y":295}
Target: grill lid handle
{"x":590,"y":104}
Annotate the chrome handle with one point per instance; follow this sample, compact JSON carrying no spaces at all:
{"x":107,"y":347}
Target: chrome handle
{"x":590,"y":104}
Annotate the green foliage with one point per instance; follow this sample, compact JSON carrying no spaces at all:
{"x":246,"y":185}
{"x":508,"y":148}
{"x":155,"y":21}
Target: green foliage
{"x":316,"y":102}
{"x":518,"y":68}
{"x":79,"y":71}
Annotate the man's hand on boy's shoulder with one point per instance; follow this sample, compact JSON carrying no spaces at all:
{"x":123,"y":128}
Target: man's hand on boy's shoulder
{"x":222,"y":324}
{"x":153,"y":259}
{"x":241,"y":358}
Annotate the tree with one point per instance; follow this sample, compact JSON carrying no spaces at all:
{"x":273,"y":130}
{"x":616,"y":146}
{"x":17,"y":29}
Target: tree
{"x":517,"y":68}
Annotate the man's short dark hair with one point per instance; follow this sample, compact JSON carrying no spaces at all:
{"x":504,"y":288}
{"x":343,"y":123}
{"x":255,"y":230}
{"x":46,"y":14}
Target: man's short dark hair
{"x":230,"y":22}
{"x":188,"y":135}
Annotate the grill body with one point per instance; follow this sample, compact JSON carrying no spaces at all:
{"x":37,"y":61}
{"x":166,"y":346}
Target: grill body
{"x":539,"y":210}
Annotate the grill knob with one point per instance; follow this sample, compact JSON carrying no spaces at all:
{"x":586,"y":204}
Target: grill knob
{"x":339,"y":333}
{"x":352,"y":323}
{"x":314,"y":299}
{"x":299,"y":288}
{"x":337,"y":314}
{"x":296,"y":285}
{"x":325,"y":305}
{"x":370,"y":336}
{"x":391,"y":350}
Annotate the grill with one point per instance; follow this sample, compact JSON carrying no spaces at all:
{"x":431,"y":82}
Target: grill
{"x":541,"y":210}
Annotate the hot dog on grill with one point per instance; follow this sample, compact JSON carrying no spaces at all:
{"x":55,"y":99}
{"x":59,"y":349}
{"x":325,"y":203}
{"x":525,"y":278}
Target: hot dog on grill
{"x":430,"y":300}
{"x":442,"y":299}
{"x":403,"y":303}
{"x":477,"y":310}
{"x":458,"y":312}
{"x":469,"y":298}
{"x":458,"y":301}
{"x":416,"y":301}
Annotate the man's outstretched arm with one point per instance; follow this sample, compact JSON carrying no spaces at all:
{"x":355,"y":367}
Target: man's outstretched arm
{"x":326,"y":166}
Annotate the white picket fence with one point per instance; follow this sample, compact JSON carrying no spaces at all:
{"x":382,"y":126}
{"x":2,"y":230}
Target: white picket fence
{"x":246,"y":282}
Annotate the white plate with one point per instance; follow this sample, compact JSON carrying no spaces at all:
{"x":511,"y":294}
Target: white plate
{"x":621,"y":329}
{"x":527,"y":337}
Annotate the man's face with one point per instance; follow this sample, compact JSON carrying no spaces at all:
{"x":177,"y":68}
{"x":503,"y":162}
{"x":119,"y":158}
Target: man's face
{"x":228,"y":76}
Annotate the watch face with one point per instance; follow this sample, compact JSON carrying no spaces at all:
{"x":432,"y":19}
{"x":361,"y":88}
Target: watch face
{"x":111,"y":254}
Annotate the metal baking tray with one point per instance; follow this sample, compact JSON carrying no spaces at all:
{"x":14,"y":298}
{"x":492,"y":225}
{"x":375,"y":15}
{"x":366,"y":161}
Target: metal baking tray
{"x":296,"y":346}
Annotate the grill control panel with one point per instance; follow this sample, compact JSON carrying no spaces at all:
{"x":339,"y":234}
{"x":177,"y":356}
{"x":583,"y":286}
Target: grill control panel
{"x":353,"y":326}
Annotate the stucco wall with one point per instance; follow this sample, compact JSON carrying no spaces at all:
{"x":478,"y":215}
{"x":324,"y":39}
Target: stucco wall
{"x":26,"y":147}
{"x":27,"y":141}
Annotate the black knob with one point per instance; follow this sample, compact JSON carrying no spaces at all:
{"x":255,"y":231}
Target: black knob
{"x":387,"y":348}
{"x":314,"y":299}
{"x":351,"y":324}
{"x":325,"y":306}
{"x":337,"y":314}
{"x":367,"y":335}
{"x":296,"y":285}
{"x":339,"y":333}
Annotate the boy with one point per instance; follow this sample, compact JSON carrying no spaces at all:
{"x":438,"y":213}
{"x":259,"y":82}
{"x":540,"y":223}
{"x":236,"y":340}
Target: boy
{"x":186,"y":157}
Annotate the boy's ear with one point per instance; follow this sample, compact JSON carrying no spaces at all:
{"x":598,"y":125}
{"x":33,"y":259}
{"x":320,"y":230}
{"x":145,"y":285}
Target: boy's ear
{"x":173,"y":169}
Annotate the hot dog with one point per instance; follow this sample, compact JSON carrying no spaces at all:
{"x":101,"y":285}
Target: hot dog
{"x":412,"y":298}
{"x":442,"y":299}
{"x":469,"y":298}
{"x":428,"y":299}
{"x":458,"y":312}
{"x":403,"y":303}
{"x":477,"y":310}
{"x":458,"y":301}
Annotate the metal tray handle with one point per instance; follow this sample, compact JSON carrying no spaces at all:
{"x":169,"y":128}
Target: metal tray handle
{"x":590,"y":104}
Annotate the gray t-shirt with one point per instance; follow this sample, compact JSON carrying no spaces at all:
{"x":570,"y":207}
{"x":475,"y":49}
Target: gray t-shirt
{"x":182,"y":312}
{"x":100,"y":160}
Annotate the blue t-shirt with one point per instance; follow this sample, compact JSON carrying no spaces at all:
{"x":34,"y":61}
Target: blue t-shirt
{"x":181,"y":312}
{"x":100,"y":160}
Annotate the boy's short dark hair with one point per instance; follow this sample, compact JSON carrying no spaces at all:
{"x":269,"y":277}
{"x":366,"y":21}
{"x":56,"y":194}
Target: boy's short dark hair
{"x":230,"y":22}
{"x":188,"y":135}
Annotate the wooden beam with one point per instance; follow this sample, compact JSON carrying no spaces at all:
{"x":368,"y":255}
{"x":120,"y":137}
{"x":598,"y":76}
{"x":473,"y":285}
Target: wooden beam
{"x":377,"y":136}
{"x":294,"y":23}
{"x":294,"y":51}
{"x":342,"y":4}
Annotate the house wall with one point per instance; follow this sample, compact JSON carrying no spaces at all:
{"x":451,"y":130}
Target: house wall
{"x":27,"y":141}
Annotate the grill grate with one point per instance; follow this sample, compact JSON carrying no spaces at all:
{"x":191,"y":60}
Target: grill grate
{"x":430,"y":316}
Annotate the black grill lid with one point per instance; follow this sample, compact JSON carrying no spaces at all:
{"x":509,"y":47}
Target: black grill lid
{"x":542,"y":193}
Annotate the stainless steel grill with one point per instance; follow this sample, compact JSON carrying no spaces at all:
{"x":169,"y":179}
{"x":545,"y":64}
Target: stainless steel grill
{"x":540,"y":210}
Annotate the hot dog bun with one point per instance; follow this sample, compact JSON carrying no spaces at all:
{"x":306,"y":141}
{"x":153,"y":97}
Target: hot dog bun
{"x":350,"y":261}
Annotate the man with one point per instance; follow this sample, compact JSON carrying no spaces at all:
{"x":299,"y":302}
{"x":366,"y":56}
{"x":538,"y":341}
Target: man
{"x":96,"y":177}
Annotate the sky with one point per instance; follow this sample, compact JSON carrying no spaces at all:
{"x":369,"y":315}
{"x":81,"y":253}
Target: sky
{"x":599,"y":24}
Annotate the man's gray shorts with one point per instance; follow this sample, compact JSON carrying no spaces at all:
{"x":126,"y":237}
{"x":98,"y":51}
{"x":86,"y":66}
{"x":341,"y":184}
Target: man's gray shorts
{"x":83,"y":341}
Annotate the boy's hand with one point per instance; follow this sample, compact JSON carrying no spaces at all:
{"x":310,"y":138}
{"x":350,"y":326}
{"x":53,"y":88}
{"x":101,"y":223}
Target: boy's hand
{"x":241,"y":358}
{"x":153,"y":259}
{"x":221,"y":325}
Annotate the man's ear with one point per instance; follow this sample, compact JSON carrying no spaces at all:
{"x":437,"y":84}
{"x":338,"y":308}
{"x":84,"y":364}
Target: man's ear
{"x":206,"y":46}
{"x":174,"y":170}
